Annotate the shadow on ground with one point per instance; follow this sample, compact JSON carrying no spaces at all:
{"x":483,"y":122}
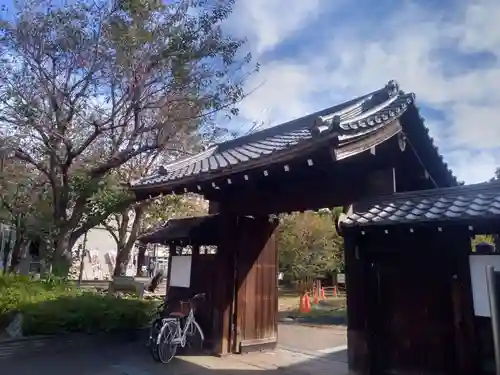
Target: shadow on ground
{"x":132,"y":358}
{"x":127,"y":354}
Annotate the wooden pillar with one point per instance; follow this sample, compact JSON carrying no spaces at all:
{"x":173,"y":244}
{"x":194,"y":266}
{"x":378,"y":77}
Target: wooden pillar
{"x":359,"y":348}
{"x":171,"y":251}
{"x":224,"y":284}
{"x":463,"y":306}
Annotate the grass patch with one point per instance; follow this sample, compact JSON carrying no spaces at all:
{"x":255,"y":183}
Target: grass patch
{"x":320,"y":313}
{"x":318,"y":317}
{"x":329,"y":312}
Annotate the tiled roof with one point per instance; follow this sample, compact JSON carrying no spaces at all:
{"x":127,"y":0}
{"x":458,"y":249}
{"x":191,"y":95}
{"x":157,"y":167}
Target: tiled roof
{"x":462,"y":203}
{"x":344,"y":122}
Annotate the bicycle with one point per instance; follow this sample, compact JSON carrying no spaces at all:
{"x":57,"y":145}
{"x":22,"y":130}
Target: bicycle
{"x":154,"y":332}
{"x":178,"y":329}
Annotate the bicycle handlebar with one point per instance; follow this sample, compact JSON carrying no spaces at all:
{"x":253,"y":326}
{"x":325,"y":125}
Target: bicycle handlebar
{"x":199,"y":295}
{"x":196,"y":296}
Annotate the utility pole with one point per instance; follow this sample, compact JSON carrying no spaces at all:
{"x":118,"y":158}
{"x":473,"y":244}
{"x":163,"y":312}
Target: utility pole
{"x":82,"y":259}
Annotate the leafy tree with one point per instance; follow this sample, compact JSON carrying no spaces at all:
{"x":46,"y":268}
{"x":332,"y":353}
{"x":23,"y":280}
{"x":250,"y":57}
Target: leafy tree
{"x":309,"y":246}
{"x":87,"y":87}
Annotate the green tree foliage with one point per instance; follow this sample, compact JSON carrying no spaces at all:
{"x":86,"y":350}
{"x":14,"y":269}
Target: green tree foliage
{"x":309,"y":245}
{"x":496,"y":177}
{"x":24,"y":206}
{"x":492,"y":239}
{"x":89,"y":87}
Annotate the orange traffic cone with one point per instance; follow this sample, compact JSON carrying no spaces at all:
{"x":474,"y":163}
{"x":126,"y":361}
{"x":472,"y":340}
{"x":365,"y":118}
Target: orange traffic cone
{"x":316,"y":296}
{"x":335,"y":291}
{"x":302,"y":307}
{"x":323,"y":297}
{"x":307,"y":303}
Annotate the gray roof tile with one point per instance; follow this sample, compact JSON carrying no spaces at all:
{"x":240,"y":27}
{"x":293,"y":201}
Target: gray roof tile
{"x":345,"y":121}
{"x":437,"y":205}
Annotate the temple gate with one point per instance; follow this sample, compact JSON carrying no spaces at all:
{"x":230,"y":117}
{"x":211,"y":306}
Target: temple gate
{"x":376,"y":143}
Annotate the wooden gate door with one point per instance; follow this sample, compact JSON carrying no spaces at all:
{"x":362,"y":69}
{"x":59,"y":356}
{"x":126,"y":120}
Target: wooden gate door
{"x":256,"y":288}
{"x":413,"y":315}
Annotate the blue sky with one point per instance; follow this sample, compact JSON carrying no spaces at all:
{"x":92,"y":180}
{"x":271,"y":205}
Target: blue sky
{"x":316,"y":53}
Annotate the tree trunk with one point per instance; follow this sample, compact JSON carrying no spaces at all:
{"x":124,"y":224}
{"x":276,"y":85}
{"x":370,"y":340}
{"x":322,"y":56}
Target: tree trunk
{"x":8,"y":251}
{"x":18,"y":252}
{"x":122,"y":259}
{"x":62,"y":256}
{"x":141,"y":258}
{"x":126,"y":238}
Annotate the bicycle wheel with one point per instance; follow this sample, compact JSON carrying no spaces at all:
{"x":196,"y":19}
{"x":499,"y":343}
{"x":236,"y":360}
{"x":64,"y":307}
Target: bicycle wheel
{"x":194,"y":339}
{"x":152,"y":344}
{"x":166,"y":348}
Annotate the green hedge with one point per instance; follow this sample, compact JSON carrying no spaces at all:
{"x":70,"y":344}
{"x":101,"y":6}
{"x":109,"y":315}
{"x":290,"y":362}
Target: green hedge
{"x":53,"y":306}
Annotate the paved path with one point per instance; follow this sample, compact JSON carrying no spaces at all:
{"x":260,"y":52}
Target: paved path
{"x":329,"y":342}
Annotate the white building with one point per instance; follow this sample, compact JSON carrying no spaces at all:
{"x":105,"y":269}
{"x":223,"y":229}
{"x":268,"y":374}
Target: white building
{"x":99,"y":262}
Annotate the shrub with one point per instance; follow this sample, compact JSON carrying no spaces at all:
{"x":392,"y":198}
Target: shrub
{"x":55,"y":306}
{"x":85,"y":312}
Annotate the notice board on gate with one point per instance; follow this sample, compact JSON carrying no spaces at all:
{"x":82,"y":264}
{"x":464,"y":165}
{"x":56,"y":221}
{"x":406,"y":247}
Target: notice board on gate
{"x":478,"y":265}
{"x":180,"y":271}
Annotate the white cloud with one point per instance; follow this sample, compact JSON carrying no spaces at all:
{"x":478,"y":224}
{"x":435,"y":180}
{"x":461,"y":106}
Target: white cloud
{"x":473,"y":166}
{"x":281,"y":92}
{"x":480,"y":30}
{"x":267,"y":23}
{"x":405,"y":46}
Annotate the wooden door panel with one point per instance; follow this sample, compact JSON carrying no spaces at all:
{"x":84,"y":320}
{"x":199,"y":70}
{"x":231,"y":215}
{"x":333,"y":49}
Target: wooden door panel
{"x":414,"y":311}
{"x":256,"y":281}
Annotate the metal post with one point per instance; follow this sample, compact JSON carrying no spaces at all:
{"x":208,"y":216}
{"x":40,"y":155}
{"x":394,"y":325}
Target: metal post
{"x":82,"y":259}
{"x":492,"y":294}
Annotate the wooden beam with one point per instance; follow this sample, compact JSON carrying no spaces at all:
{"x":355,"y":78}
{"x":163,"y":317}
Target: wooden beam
{"x":311,"y":194}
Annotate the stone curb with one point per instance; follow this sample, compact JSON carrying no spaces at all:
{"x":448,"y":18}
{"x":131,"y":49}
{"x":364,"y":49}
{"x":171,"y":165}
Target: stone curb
{"x":312,"y":325}
{"x":305,"y":322}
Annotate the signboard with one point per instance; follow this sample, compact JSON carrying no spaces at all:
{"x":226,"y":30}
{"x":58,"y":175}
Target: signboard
{"x":180,"y":271}
{"x":341,"y":278}
{"x":478,"y":265}
{"x":492,"y":281}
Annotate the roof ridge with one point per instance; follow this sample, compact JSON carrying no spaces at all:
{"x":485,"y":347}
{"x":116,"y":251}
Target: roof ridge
{"x":324,"y":112}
